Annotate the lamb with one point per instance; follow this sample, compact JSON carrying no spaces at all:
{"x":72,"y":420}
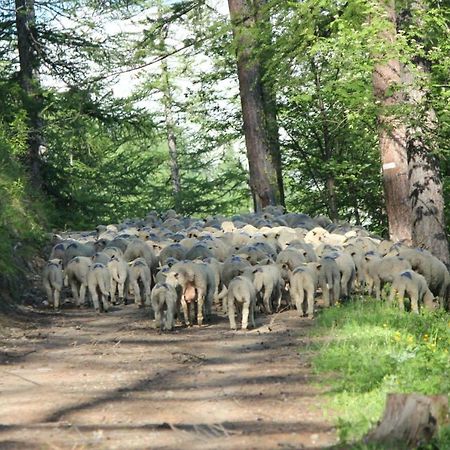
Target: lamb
{"x":241,"y":293}
{"x":98,"y":280}
{"x":52,"y":279}
{"x":139,"y":273}
{"x":304,"y":280}
{"x":415,"y":287}
{"x":164,"y":305}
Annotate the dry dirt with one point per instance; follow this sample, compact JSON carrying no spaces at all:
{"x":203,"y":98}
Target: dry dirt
{"x":77,"y":380}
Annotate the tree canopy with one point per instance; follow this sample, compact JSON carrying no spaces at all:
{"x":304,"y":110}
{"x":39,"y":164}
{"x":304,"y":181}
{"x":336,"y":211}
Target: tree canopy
{"x":102,"y":71}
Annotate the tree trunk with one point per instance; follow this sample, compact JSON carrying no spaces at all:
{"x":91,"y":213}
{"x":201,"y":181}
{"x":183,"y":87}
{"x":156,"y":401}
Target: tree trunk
{"x":427,"y":197}
{"x":392,"y":139}
{"x":332,"y":205}
{"x":171,"y":136}
{"x":270,"y":112}
{"x":327,"y":148}
{"x":263,"y":174}
{"x":409,"y":420}
{"x":268,"y":94}
{"x":29,"y":81}
{"x":426,"y":190}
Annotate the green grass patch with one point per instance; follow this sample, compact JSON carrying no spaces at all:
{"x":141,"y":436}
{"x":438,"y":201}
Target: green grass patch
{"x":372,"y":349}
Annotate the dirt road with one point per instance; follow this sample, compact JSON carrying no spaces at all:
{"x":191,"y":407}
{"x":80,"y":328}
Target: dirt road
{"x":77,"y":380}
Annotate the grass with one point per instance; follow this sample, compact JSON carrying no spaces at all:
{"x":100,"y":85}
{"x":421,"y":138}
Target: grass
{"x":372,"y":349}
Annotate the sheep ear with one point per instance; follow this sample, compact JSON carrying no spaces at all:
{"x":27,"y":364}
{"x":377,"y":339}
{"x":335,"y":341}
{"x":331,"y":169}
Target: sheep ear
{"x":319,"y":266}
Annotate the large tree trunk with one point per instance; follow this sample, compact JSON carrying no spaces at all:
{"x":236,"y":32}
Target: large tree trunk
{"x":427,"y":196}
{"x":409,"y":420}
{"x":392,"y":138}
{"x":426,"y":190}
{"x":29,"y":80}
{"x":263,"y":174}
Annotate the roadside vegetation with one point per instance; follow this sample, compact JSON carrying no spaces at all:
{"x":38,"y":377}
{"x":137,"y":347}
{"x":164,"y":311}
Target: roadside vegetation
{"x":369,"y":349}
{"x":23,"y":218}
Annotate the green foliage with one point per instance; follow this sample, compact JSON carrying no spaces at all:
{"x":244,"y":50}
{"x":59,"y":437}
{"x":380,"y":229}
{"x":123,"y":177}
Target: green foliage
{"x":323,"y":75}
{"x":23,"y":215}
{"x":372,"y":349}
{"x":107,"y":158}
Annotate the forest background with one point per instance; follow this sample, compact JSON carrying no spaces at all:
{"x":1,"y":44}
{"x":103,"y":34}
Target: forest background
{"x":111,"y":109}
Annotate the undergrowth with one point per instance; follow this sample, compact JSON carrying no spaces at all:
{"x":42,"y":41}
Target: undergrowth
{"x":22,"y":221}
{"x":371,"y":349}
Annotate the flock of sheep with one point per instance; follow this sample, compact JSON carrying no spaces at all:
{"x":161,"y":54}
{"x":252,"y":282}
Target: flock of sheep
{"x":181,"y":267}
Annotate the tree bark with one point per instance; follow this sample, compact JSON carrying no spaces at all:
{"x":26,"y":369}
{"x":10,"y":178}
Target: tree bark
{"x":27,"y":43}
{"x":327,"y":148}
{"x":268,"y":94}
{"x":171,"y":136}
{"x":392,"y":138}
{"x":167,"y":92}
{"x":270,"y":112}
{"x":426,"y":190}
{"x":332,"y":205}
{"x":263,"y":174}
{"x":409,"y":420}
